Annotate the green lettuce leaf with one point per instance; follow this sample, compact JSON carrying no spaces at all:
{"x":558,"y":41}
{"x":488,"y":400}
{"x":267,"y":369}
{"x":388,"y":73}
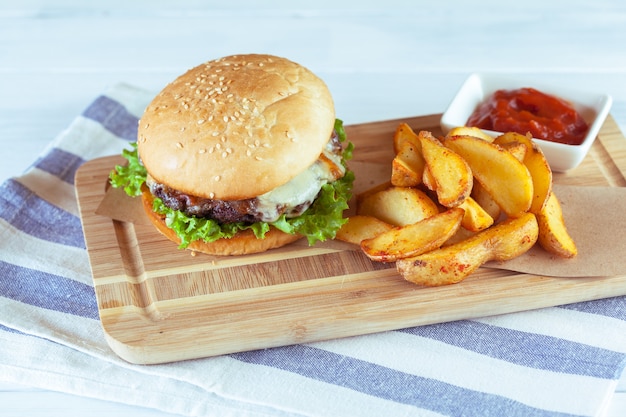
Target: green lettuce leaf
{"x":319,"y":222}
{"x":130,"y":176}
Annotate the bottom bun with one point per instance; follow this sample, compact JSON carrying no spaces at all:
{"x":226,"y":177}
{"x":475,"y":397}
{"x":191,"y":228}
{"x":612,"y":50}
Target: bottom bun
{"x":243,"y":243}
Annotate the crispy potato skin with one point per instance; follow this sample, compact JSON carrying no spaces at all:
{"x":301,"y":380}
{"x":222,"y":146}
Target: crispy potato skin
{"x":452,"y":177}
{"x":413,"y":239}
{"x":553,"y":234}
{"x":452,"y":264}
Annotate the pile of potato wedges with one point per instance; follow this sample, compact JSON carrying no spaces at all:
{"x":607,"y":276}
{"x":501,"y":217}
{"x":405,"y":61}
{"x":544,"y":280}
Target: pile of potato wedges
{"x":457,"y":201}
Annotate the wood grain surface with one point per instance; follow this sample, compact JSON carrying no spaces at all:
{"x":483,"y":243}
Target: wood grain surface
{"x":159,"y":304}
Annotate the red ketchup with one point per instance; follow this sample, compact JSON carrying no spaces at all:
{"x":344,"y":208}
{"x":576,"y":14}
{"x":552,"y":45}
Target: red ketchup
{"x":528,"y":110}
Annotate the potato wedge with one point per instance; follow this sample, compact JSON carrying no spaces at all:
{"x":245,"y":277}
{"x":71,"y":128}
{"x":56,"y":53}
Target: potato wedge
{"x":404,"y":134}
{"x":451,"y":173}
{"x":460,"y":235}
{"x":428,"y":180}
{"x":413,"y":239}
{"x":475,"y":218}
{"x":517,"y":149}
{"x":483,"y":198}
{"x":452,"y":264}
{"x":407,"y":167}
{"x":359,"y":228}
{"x":537,"y":164}
{"x":469,"y":131}
{"x":553,"y":234}
{"x":397,"y":206}
{"x":506,"y":179}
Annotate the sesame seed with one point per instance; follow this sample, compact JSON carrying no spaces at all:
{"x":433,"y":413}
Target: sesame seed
{"x":224,"y":154}
{"x":211,"y":195}
{"x":215,"y":134}
{"x":200,"y":121}
{"x":217,"y":178}
{"x":202,"y":151}
{"x":179,"y":145}
{"x":248,"y":152}
{"x":258,"y":158}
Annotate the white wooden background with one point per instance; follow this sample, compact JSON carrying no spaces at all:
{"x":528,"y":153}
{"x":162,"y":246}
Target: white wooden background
{"x":381,"y":59}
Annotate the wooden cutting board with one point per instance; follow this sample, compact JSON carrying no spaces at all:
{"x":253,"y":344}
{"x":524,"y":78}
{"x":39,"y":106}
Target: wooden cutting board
{"x":159,"y":304}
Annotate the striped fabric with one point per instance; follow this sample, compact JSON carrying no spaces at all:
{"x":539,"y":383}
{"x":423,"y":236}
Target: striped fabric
{"x":560,"y":361}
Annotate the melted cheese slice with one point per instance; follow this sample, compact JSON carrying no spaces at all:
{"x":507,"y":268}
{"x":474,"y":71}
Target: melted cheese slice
{"x":294,"y":197}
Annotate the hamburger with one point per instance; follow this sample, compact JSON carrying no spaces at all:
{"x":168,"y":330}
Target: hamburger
{"x":240,"y":155}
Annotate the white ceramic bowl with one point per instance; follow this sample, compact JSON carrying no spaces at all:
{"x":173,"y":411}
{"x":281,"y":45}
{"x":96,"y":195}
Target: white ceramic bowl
{"x":562,"y":157}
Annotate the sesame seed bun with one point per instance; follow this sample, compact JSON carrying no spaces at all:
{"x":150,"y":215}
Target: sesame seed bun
{"x":236,"y":127}
{"x":243,"y":243}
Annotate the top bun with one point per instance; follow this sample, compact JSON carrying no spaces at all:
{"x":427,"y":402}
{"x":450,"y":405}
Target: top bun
{"x":236,"y":127}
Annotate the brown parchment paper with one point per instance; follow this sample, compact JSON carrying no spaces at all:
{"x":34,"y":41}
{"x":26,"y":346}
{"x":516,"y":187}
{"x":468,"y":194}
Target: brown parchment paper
{"x":595,"y":218}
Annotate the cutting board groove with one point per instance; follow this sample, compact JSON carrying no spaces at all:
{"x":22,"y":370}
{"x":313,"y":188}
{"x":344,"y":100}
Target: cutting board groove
{"x":160,"y":304}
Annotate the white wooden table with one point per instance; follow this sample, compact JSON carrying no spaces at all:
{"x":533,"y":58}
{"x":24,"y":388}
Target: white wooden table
{"x":381,"y":60}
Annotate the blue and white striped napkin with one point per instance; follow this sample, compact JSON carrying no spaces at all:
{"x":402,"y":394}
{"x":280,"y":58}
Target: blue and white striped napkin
{"x":561,"y":361}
